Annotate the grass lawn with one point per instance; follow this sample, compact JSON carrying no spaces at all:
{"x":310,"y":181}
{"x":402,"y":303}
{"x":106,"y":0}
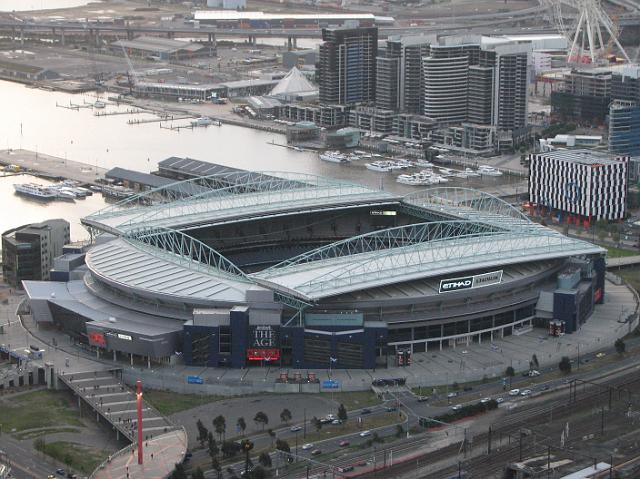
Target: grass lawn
{"x":168,"y":403}
{"x":632,"y":275}
{"x":329,"y":431}
{"x":354,"y":399}
{"x":80,"y":458}
{"x":38,"y":409}
{"x":613,"y":252}
{"x":42,"y":432}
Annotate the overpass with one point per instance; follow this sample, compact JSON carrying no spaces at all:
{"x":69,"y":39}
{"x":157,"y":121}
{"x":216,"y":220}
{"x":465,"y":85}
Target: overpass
{"x":623,"y":261}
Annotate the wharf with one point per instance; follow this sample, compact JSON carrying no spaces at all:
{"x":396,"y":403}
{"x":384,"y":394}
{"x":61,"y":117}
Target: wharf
{"x":52,"y":166}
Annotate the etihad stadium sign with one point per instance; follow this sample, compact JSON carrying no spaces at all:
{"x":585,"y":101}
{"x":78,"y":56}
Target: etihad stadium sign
{"x":470,"y":282}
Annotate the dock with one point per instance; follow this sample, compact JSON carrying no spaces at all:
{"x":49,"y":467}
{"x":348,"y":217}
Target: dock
{"x":52,"y":166}
{"x":126,"y":112}
{"x":158,"y":120}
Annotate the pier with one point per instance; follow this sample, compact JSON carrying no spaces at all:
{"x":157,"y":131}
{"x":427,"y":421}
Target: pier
{"x":126,"y":112}
{"x":52,"y":166}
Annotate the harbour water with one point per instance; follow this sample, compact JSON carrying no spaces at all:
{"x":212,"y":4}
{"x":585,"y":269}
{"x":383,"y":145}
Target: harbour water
{"x":32,"y":121}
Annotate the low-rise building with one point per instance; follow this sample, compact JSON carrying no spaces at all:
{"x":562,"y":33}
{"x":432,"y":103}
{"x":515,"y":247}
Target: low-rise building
{"x":28,"y":251}
{"x":161,"y":48}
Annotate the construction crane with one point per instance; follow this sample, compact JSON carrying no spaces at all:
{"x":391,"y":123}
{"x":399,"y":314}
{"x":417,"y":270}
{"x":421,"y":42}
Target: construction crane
{"x":132,"y":76}
{"x":586,"y":33}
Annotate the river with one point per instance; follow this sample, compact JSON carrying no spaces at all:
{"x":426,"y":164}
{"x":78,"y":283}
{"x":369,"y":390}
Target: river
{"x":30,"y":119}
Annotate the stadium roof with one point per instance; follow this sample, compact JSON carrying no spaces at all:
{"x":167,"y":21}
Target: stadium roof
{"x":464,"y":230}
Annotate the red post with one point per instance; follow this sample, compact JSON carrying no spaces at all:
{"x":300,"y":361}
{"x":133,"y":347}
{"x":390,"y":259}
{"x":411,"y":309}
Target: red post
{"x":139,"y":404}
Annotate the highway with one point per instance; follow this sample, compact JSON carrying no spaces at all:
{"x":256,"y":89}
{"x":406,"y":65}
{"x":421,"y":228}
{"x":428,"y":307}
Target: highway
{"x":25,"y":462}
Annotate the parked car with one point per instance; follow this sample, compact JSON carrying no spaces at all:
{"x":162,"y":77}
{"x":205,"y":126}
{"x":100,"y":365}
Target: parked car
{"x":452,"y":394}
{"x":391,"y":408}
{"x":365,"y":433}
{"x":533,"y":373}
{"x":499,"y":400}
{"x":525,"y":392}
{"x":306,"y":447}
{"x":343,"y":443}
{"x":336,"y":422}
{"x":316,"y":452}
{"x":485,"y":400}
{"x":345,"y":469}
{"x":423,"y":398}
{"x":600,"y":355}
{"x":295,"y":428}
{"x":61,"y":472}
{"x":457,"y":407}
{"x":514,"y":392}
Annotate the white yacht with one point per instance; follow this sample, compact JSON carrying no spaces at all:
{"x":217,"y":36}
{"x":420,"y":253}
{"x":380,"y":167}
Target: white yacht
{"x":334,"y":157}
{"x":470,"y":172}
{"x":381,"y":166}
{"x":486,"y":170}
{"x":424,"y":164}
{"x":35,"y":191}
{"x":99,"y":104}
{"x":202,"y":121}
{"x":445,"y":171}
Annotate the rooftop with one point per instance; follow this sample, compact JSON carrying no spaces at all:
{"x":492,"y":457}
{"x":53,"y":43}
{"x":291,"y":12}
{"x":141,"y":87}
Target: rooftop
{"x":583,"y":157}
{"x":166,"y":45}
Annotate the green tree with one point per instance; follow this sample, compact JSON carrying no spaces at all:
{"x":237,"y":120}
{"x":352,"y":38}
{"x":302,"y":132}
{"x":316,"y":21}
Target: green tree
{"x":220,"y":425}
{"x":285,"y":415}
{"x":179,"y":472}
{"x":215,"y":465}
{"x":376,"y":437}
{"x":197,"y":474}
{"x":399,"y":431}
{"x":534,"y":361}
{"x":282,"y":445}
{"x":272,"y":435}
{"x":242,"y":425}
{"x":264,"y":459}
{"x":510,"y":372}
{"x":261,"y":418}
{"x":212,"y":447}
{"x":620,"y":346}
{"x":342,"y":413}
{"x":202,"y":432}
{"x":565,"y":365}
{"x":316,"y":423}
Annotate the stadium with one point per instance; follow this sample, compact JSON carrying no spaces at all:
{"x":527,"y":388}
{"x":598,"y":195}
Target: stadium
{"x":243,"y":268}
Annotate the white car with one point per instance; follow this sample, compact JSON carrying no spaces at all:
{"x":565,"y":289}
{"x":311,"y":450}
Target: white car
{"x":336,"y":422}
{"x":457,"y":407}
{"x":452,"y":395}
{"x":306,"y":447}
{"x":525,"y":392}
{"x":533,"y":373}
{"x":330,"y":417}
{"x":485,"y":400}
{"x":295,"y":428}
{"x":514,"y":392}
{"x":500,"y":400}
{"x":365,"y":433}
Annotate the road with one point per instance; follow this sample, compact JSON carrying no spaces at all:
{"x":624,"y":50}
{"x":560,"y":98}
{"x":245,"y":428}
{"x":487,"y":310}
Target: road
{"x":25,"y":462}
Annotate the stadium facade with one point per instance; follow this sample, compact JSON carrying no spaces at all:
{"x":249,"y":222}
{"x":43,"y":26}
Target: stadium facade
{"x":302,"y":271}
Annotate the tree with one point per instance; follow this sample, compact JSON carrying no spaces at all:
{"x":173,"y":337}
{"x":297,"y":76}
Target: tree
{"x":212,"y":447}
{"x":197,"y":474}
{"x":179,"y":472}
{"x":285,"y":415}
{"x":272,"y":435}
{"x":261,"y":418}
{"x":534,"y":361}
{"x":242,"y":425}
{"x":455,"y":386}
{"x":565,"y":365}
{"x":620,"y":346}
{"x":282,"y":445}
{"x":220,"y":425}
{"x":376,"y":438}
{"x":202,"y":432}
{"x":229,"y":448}
{"x":264,"y":459}
{"x":246,"y":445}
{"x":342,"y":413}
{"x":399,"y":431}
{"x":215,"y":465}
{"x":510,"y":372}
{"x":316,"y":423}
{"x":258,"y":473}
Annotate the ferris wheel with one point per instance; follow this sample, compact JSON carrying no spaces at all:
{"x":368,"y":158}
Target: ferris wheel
{"x":590,"y":31}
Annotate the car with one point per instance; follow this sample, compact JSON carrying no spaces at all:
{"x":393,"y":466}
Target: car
{"x":391,"y":408}
{"x":366,"y":411}
{"x":423,"y":398}
{"x":61,"y":472}
{"x":345,"y":469}
{"x":525,"y":392}
{"x":485,"y":400}
{"x":499,"y":400}
{"x":365,"y":433}
{"x":316,"y":452}
{"x":51,"y":476}
{"x":295,"y":428}
{"x":336,"y":422}
{"x":457,"y":407}
{"x":361,"y":463}
{"x":324,"y":420}
{"x":601,"y":355}
{"x":514,"y":392}
{"x":546,"y":387}
{"x":452,"y":394}
{"x":464,"y":351}
{"x":533,"y":373}
{"x":306,"y":447}
{"x":330,"y":417}
{"x":344,"y":443}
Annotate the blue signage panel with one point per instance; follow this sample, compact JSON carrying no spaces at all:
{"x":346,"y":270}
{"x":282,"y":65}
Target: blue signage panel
{"x":195,"y":380}
{"x":331,"y":384}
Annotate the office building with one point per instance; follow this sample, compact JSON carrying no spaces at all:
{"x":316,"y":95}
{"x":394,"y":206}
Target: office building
{"x":584,"y":98}
{"x":346,"y":69}
{"x":585,"y":184}
{"x":28,"y":251}
{"x":624,"y":128}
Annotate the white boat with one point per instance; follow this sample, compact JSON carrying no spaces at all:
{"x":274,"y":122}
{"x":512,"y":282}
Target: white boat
{"x":424,"y":164}
{"x":445,"y":171}
{"x":416,"y":179}
{"x":380,"y":166}
{"x":99,"y":104}
{"x":470,"y":172}
{"x":334,"y":157}
{"x":116,"y":191}
{"x":202,"y":121}
{"x":486,"y":170}
{"x":35,"y":191}
{"x":64,"y":192}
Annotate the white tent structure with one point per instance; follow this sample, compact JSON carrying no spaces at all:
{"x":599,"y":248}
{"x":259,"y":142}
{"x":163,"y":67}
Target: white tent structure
{"x":293,"y":83}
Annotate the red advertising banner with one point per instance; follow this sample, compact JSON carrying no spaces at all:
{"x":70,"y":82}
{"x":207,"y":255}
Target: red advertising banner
{"x":97,"y":339}
{"x":263,"y":354}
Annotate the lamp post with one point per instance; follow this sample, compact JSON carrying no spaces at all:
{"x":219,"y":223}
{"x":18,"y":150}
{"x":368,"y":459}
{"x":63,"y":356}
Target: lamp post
{"x":139,"y":406}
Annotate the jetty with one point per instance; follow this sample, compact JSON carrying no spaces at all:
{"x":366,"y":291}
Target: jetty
{"x":54,"y":167}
